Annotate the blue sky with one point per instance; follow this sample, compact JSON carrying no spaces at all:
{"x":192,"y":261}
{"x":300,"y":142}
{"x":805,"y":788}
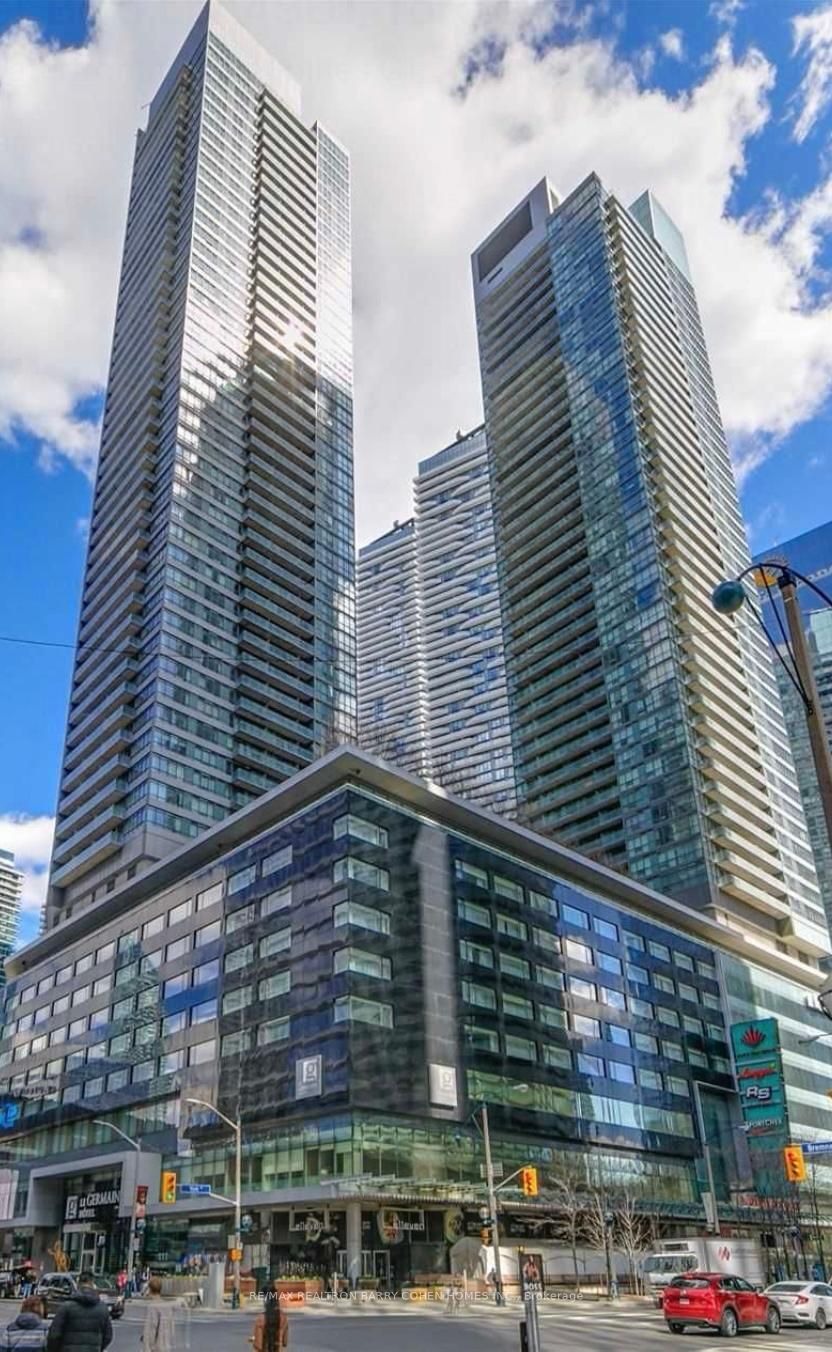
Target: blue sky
{"x":662,"y":59}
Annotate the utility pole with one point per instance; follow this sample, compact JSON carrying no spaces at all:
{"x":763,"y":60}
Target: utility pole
{"x":131,"y":1240}
{"x":805,"y":671}
{"x":237,"y":1128}
{"x":499,"y":1298}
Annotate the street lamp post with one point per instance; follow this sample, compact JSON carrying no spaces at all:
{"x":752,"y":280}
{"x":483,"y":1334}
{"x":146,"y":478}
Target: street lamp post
{"x":237,"y":1128}
{"x":728,"y":597}
{"x":499,"y":1298}
{"x":102,"y":1122}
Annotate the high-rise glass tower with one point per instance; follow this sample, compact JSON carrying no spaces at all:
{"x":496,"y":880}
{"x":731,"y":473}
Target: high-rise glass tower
{"x":646,"y":730}
{"x":811,"y":555}
{"x":432,"y":687}
{"x":11,"y":891}
{"x":216,"y":637}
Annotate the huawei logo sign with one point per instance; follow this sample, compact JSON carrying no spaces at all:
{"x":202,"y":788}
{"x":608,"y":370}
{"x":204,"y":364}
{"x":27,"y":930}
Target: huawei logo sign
{"x":752,"y":1037}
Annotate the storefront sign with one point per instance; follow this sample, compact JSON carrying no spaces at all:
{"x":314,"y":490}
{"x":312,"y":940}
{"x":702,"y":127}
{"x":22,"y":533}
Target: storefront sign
{"x":9,"y":1114}
{"x":100,"y":1205}
{"x":394,"y":1225}
{"x":309,"y":1077}
{"x":309,"y":1223}
{"x":762,"y":1095}
{"x":454,"y":1224}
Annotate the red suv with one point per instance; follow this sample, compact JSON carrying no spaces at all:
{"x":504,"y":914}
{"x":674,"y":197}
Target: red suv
{"x":712,"y":1300}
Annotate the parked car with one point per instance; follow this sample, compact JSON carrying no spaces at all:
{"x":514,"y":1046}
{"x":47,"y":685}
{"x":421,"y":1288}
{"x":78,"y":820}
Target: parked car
{"x":716,"y":1301}
{"x":803,"y":1302}
{"x":56,"y":1287}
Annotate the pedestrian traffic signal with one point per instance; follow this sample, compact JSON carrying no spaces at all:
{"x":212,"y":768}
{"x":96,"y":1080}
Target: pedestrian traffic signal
{"x":528,"y":1181}
{"x":794,"y":1163}
{"x":169,"y":1186}
{"x":485,"y":1236}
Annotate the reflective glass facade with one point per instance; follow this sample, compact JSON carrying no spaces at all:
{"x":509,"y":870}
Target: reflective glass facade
{"x":646,"y":730}
{"x":379,"y":932}
{"x":220,"y":574}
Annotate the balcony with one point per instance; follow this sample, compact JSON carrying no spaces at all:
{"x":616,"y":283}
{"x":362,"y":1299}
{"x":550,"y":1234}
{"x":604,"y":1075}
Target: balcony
{"x":81,"y":863}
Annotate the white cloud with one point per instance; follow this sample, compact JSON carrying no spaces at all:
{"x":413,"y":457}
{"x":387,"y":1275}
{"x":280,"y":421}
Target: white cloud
{"x":672,"y":43}
{"x":30,"y":841}
{"x":725,"y":11}
{"x":813,"y":35}
{"x":433,"y":172}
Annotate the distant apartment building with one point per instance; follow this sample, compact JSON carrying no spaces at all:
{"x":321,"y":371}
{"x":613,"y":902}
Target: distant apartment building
{"x":647,"y":730}
{"x":11,"y":891}
{"x":811,"y":555}
{"x":216,"y":642}
{"x":432,"y":687}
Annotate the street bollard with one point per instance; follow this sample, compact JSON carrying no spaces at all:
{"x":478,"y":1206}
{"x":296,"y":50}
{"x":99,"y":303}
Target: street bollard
{"x":524,"y":1337}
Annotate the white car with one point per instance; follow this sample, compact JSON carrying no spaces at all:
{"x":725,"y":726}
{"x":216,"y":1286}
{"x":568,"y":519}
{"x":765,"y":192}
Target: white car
{"x":803,"y":1302}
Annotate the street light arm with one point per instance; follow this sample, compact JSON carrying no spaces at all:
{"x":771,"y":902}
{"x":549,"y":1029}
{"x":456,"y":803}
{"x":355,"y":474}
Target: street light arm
{"x":202,"y":1103}
{"x":100,"y":1122}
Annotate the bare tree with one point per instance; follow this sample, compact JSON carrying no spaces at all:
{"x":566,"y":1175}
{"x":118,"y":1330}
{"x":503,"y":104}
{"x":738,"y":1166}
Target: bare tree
{"x":567,"y":1184}
{"x":634,"y":1236}
{"x":599,"y":1222}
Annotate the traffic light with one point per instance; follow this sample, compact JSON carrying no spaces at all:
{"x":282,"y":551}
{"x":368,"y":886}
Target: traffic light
{"x":169,"y":1186}
{"x":794,"y":1163}
{"x":528,"y":1181}
{"x":485,"y":1235}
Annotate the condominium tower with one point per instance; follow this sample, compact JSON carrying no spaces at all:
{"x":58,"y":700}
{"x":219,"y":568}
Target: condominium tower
{"x":11,"y":891}
{"x":811,"y":555}
{"x":432,"y":686}
{"x":216,"y":636}
{"x":647,"y":730}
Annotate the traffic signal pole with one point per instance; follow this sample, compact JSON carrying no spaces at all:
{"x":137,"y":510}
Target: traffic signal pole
{"x":499,"y":1298}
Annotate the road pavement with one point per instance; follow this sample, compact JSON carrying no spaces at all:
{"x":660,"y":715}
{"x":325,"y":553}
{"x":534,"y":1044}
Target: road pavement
{"x":400,"y":1327}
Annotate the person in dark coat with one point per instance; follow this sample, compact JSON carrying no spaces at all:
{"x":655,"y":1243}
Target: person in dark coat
{"x":82,"y":1323}
{"x":28,"y":1330}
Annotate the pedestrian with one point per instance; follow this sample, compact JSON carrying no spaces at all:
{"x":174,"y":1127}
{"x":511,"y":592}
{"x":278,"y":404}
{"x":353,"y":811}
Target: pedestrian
{"x":159,"y":1332}
{"x":121,"y":1281}
{"x":271,"y":1328}
{"x":82,"y":1323}
{"x":28,"y":1329}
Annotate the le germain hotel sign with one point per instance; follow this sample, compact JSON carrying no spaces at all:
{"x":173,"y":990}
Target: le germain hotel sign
{"x":97,"y":1205}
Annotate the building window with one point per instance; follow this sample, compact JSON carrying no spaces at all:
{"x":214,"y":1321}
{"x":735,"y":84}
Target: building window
{"x":547,"y":976}
{"x":359,"y":871}
{"x":513,"y":966}
{"x":586,"y":1026}
{"x":540,"y":902}
{"x":278,"y":859}
{"x":645,"y":1042}
{"x":660,"y":951}
{"x":473,"y":914}
{"x":275,"y":1030}
{"x":174,"y":1023}
{"x":585,"y":990}
{"x":360,"y":829}
{"x":202,"y":1052}
{"x":102,"y":985}
{"x":144,"y":1071}
{"x":672,"y":1050}
{"x":482,"y":1039}
{"x":520,"y":1048}
{"x":608,"y":963}
{"x":278,"y":943}
{"x":203,"y":1012}
{"x":63,"y":974}
{"x":83,"y":964}
{"x":243,"y":878}
{"x":687,"y":993}
{"x":126,"y":941}
{"x":209,"y":897}
{"x":674,"y":1084}
{"x":667,"y":1016}
{"x":664,"y":984}
{"x":238,"y":919}
{"x":176,"y":984}
{"x":682,"y":961}
{"x":154,"y":926}
{"x":57,"y":1036}
{"x":276,"y":901}
{"x":642,"y":1008}
{"x":124,"y":975}
{"x":469,"y":873}
{"x":504,"y":887}
{"x":557,"y":1057}
{"x":578,"y":952}
{"x":354,"y":1009}
{"x":550,"y":943}
{"x":621,"y":1071}
{"x":605,"y":928}
{"x":634,"y":941}
{"x":649,"y":1079}
{"x":511,"y":928}
{"x":78,"y":1027}
{"x":362,"y":962}
{"x":178,"y":948}
{"x":363,"y":917}
{"x":81,"y":995}
{"x":515,"y":1007}
{"x":475,"y":954}
{"x":590,"y":1065}
{"x":572,"y":916}
{"x":482,"y":996}
{"x":614,"y":999}
{"x":234,"y":1001}
{"x":551,"y":1016}
{"x":233,"y":1044}
{"x":239,"y":957}
{"x":207,"y":934}
{"x":272,"y":986}
{"x":693,"y":1026}
{"x":118,"y":1079}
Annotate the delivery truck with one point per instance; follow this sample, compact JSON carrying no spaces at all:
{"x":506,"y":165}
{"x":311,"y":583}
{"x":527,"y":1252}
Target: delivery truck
{"x":703,"y":1253}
